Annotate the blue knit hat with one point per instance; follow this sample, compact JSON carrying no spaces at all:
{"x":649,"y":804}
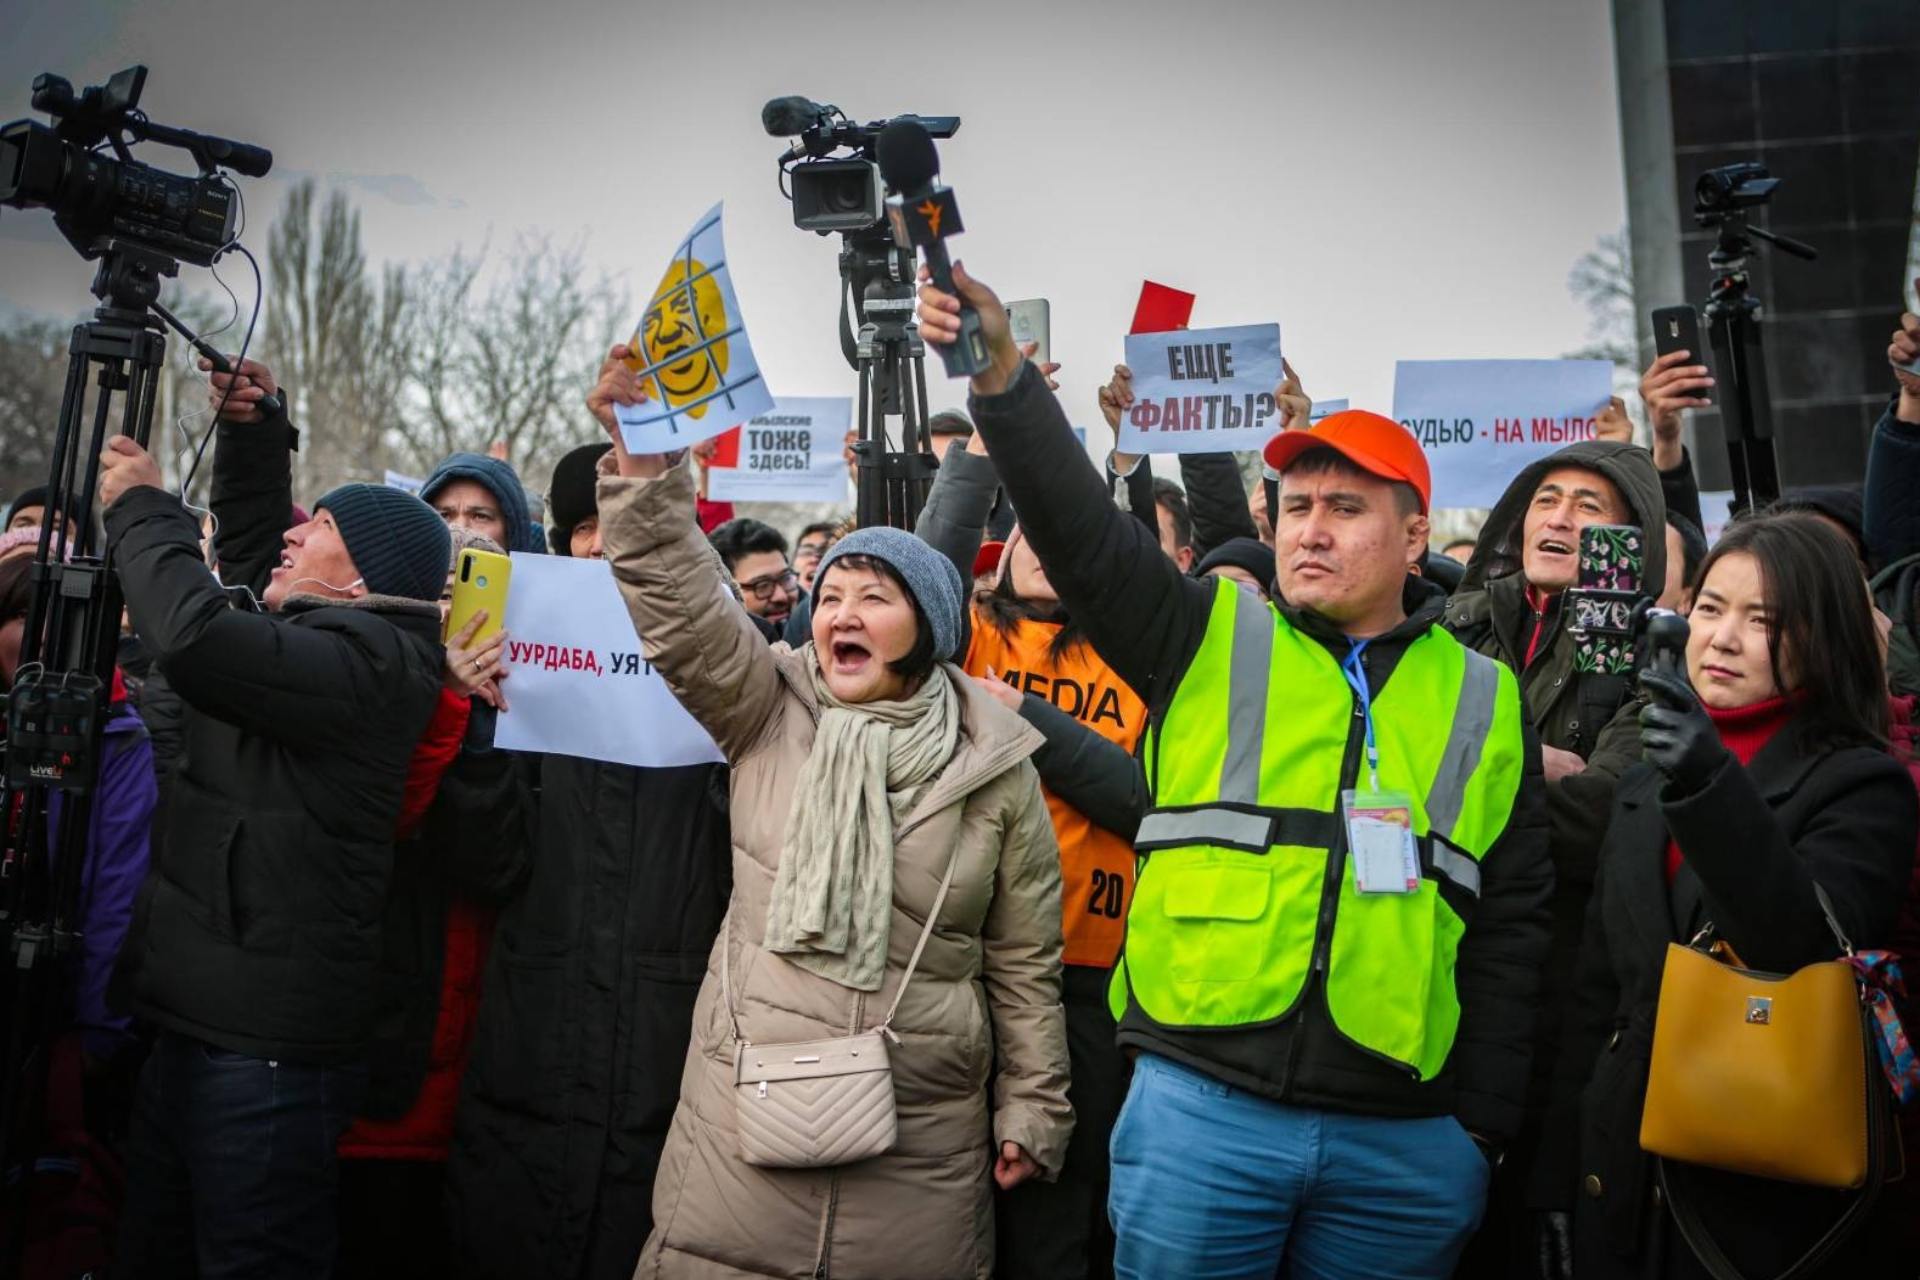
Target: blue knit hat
{"x":500,"y":480}
{"x":930,"y":577}
{"x":398,"y":543}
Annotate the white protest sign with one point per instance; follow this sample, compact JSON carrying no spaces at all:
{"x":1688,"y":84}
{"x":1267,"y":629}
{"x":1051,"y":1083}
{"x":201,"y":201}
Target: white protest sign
{"x":1202,"y":390}
{"x":791,"y":453}
{"x":407,"y":484}
{"x":580,"y":685}
{"x":1325,"y":409}
{"x":1482,"y":421}
{"x":691,"y":351}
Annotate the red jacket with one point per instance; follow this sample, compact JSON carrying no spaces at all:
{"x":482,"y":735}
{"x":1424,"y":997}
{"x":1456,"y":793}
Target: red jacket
{"x":424,"y":1131}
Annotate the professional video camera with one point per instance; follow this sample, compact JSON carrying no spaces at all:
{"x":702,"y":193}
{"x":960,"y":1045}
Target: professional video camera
{"x":1722,"y":200}
{"x":139,"y":223}
{"x":97,"y":199}
{"x":832,"y":175}
{"x":832,"y":193}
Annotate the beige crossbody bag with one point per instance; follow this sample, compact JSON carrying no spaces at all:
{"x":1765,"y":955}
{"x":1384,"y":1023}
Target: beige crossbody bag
{"x":812,"y":1104}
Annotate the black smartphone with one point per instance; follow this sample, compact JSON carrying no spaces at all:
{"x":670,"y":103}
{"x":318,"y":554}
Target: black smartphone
{"x":1678,"y":329}
{"x":1601,"y":610}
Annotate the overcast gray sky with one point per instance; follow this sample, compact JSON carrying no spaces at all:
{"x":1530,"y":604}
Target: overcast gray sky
{"x":1387,"y":179}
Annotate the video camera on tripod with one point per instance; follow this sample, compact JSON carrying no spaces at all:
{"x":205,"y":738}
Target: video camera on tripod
{"x":838,"y":174}
{"x":139,"y":223}
{"x":1723,"y":199}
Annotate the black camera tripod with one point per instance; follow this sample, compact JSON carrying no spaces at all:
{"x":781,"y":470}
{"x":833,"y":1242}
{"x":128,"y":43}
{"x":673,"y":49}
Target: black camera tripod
{"x":877,"y":280}
{"x":1740,"y":360}
{"x":59,"y":701}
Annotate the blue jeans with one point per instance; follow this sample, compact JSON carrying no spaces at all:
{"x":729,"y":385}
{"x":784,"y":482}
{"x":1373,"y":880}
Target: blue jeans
{"x":1213,"y":1183}
{"x":231,"y":1169}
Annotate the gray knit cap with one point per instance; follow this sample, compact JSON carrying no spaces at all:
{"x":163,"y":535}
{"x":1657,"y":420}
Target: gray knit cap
{"x":930,"y":577}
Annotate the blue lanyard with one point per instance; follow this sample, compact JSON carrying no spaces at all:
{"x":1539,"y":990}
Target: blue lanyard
{"x":1357,"y":677}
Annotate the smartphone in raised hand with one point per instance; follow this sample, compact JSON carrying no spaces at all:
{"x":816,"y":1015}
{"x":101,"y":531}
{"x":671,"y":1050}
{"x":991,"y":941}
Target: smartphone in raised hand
{"x":480,"y":581}
{"x":1678,"y":329}
{"x":1601,"y":609}
{"x":1030,"y":320}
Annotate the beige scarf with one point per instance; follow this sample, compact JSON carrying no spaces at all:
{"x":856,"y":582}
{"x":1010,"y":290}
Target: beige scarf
{"x":832,"y":905}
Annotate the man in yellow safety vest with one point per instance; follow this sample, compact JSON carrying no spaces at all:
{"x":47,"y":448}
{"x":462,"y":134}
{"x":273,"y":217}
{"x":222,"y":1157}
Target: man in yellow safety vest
{"x":1330,"y":972}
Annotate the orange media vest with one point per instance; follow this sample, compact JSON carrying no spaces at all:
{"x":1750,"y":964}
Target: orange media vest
{"x":1096,"y":866}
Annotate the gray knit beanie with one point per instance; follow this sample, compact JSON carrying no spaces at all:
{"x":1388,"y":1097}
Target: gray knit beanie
{"x":930,"y":577}
{"x":398,"y":543}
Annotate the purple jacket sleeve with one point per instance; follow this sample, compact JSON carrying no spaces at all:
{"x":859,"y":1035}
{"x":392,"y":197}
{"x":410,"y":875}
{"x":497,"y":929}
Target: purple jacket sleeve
{"x":116,"y":864}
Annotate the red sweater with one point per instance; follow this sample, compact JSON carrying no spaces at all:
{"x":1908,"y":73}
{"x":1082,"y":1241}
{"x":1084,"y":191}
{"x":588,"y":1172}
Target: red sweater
{"x":1744,"y":730}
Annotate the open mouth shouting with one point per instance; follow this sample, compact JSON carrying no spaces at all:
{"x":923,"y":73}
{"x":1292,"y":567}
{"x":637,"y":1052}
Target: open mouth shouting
{"x":850,"y":657}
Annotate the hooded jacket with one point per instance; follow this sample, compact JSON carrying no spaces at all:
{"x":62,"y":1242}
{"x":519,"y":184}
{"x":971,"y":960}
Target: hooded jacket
{"x":499,"y":479}
{"x":1596,"y":718}
{"x":983,"y":1055}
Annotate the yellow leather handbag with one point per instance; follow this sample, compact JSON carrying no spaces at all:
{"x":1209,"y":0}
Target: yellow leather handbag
{"x":1759,"y":1073}
{"x":1770,"y":1075}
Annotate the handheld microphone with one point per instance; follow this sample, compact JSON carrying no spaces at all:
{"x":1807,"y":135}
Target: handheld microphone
{"x":924,"y":213}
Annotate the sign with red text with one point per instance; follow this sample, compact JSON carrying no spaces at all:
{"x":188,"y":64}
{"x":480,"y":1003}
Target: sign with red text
{"x":1482,"y":421}
{"x":1202,"y":390}
{"x":579,"y":683}
{"x":790,"y":453}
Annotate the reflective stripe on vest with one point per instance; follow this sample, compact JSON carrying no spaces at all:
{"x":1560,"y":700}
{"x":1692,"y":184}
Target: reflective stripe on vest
{"x":1246,"y":844}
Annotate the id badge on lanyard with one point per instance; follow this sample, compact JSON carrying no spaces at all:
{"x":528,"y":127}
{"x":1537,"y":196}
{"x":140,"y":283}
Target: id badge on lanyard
{"x":1379,"y":823}
{"x":1380,"y":841}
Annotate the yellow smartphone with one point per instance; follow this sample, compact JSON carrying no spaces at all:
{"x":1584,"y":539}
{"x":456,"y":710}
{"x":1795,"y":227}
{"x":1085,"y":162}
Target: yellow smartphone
{"x":479,"y":582}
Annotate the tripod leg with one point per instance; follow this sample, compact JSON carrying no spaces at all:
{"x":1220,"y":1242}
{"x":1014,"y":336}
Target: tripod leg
{"x":1763,"y":465}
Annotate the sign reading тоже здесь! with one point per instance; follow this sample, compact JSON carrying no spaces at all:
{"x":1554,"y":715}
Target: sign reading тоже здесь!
{"x":1202,"y":390}
{"x":791,"y":453}
{"x":1482,"y":421}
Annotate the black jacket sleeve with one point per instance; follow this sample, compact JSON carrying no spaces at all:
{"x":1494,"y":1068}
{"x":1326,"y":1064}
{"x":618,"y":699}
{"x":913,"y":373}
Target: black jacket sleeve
{"x":1758,"y":884}
{"x":478,"y":829}
{"x":1586,"y":1023}
{"x":957,"y":507}
{"x":1143,"y":616}
{"x":1099,"y":778}
{"x":1497,"y":975}
{"x":313,"y":685}
{"x":1217,"y":500}
{"x":1893,"y":488}
{"x":252,"y":498}
{"x":1681,"y":490}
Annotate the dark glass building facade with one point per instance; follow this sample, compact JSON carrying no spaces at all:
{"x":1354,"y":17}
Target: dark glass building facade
{"x":1826,"y":95}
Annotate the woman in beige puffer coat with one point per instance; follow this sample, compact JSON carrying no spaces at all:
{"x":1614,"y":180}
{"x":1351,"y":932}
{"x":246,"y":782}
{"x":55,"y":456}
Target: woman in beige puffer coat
{"x":980,"y":1073}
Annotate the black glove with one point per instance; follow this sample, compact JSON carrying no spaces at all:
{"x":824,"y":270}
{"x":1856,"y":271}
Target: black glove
{"x":1676,"y":734}
{"x":1553,"y":1244}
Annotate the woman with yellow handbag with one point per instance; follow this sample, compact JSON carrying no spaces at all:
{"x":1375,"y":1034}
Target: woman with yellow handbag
{"x":1718,"y":1025}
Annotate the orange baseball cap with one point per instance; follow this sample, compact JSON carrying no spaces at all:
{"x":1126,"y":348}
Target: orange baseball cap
{"x":1379,"y":446}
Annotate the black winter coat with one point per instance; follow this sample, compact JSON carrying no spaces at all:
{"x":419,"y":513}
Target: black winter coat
{"x":1754,"y":840}
{"x":258,"y":929}
{"x":585,"y":1018}
{"x":456,"y":852}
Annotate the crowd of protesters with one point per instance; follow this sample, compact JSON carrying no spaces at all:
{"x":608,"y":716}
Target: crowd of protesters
{"x":1076,"y":793}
